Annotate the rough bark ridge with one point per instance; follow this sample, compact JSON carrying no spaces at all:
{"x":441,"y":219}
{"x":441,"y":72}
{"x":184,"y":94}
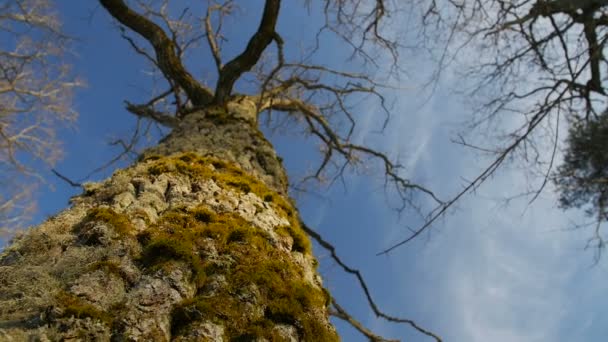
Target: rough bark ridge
{"x":196,"y":242}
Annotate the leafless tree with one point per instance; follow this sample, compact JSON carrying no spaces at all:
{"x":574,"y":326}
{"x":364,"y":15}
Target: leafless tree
{"x":35,"y":98}
{"x":318,"y":98}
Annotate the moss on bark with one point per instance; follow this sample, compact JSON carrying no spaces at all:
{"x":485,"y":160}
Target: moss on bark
{"x":169,"y":249}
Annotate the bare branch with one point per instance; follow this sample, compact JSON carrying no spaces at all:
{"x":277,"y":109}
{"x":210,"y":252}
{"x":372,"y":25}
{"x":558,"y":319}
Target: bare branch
{"x":148,"y":112}
{"x":213,"y":35}
{"x":165,"y":48}
{"x":330,"y":248}
{"x":529,"y":128}
{"x":248,"y":58}
{"x":335,"y":144}
{"x":359,"y":23}
{"x":345,"y":316}
{"x":539,"y":60}
{"x":66,"y":179}
{"x":128,"y":148}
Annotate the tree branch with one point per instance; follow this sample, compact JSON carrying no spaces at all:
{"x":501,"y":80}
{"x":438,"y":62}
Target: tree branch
{"x":341,"y":313}
{"x":212,"y":35}
{"x":330,"y":248}
{"x":168,"y":61}
{"x":335,"y":143}
{"x":248,"y":58}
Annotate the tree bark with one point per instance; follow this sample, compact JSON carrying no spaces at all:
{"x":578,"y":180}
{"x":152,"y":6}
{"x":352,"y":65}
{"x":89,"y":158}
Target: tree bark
{"x":198,"y":241}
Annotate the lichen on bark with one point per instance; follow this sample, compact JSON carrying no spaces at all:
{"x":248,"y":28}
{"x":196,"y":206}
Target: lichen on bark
{"x":196,"y":241}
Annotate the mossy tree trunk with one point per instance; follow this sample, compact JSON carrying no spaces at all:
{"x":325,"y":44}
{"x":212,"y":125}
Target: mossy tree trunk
{"x":198,"y":241}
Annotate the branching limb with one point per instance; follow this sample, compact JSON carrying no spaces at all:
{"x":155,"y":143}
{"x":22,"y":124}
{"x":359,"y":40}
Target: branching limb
{"x":528,"y":130}
{"x":335,"y":144}
{"x":166,"y":56}
{"x":360,"y":24}
{"x":66,"y":179}
{"x":214,"y":34}
{"x":248,"y":58}
{"x":341,"y":313}
{"x":320,"y":98}
{"x":540,"y":60}
{"x":147,"y":111}
{"x":128,"y":147}
{"x":330,"y":248}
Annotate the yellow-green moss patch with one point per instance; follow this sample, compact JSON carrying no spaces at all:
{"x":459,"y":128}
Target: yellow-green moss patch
{"x":111,"y":267}
{"x":181,"y":234}
{"x":228,"y":175}
{"x":283,"y":295}
{"x":120,"y":222}
{"x":141,"y":214}
{"x":255,"y":273}
{"x":198,"y":167}
{"x":161,"y":251}
{"x":73,"y":306}
{"x":301,"y":242}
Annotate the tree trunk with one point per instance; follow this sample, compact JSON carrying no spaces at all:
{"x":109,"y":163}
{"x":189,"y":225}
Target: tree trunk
{"x":198,"y":241}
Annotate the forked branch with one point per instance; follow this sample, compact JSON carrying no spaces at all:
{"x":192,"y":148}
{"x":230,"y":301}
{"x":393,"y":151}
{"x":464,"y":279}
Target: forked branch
{"x":330,"y":248}
{"x":252,"y":53}
{"x":166,"y":56}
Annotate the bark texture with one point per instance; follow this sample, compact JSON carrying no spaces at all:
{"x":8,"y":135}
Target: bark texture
{"x":196,"y":242}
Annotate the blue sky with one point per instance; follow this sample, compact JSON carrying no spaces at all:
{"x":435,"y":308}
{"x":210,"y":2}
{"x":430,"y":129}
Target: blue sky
{"x":487,"y":272}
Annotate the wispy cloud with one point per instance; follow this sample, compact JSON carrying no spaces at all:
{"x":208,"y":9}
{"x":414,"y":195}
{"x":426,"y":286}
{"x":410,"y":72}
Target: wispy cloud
{"x":502,"y":273}
{"x":494,"y":272}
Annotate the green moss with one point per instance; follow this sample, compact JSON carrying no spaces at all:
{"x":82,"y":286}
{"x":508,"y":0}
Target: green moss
{"x":239,"y":236}
{"x":193,"y":165}
{"x":301,"y":242}
{"x":193,"y":310}
{"x":141,"y":214}
{"x":75,"y":307}
{"x":231,"y":176}
{"x":174,"y":220}
{"x":178,"y":236}
{"x":327,"y":296}
{"x":162,"y":251}
{"x":120,"y":222}
{"x":243,"y":186}
{"x":188,"y":157}
{"x":181,"y":235}
{"x":259,"y":329}
{"x":203,"y":215}
{"x":218,"y":164}
{"x":286,"y":299}
{"x":160,"y":168}
{"x":151,"y":157}
{"x":111,"y":267}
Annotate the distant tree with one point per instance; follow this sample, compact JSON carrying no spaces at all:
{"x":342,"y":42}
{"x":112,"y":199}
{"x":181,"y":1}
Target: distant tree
{"x":198,"y":239}
{"x":35,"y":99}
{"x":582,"y":178}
